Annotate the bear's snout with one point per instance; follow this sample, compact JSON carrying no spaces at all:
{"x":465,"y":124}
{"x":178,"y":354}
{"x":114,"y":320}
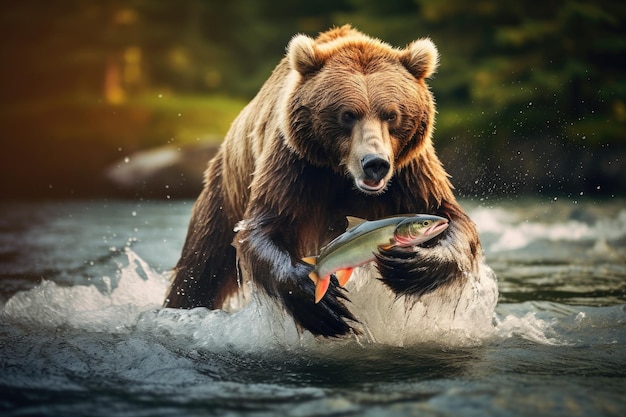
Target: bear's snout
{"x":374,"y":172}
{"x":374,"y":167}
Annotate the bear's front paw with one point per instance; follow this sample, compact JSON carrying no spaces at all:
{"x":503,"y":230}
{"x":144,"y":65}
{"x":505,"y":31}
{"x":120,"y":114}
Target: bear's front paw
{"x":415,"y":271}
{"x":328,"y":316}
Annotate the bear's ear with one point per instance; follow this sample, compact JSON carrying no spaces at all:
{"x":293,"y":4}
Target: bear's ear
{"x":303,"y":55}
{"x":421,"y":58}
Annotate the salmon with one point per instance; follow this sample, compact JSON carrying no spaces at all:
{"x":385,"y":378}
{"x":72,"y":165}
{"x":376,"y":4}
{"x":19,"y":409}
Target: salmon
{"x":357,"y":245}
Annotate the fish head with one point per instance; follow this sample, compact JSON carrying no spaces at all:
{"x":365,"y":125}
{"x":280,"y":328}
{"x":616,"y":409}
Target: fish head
{"x":419,"y":229}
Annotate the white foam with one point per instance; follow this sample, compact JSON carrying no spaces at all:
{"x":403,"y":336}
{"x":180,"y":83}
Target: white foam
{"x":135,"y":306}
{"x":260,"y":326}
{"x":455,"y":316}
{"x":85,"y":307}
{"x":516,"y":233}
{"x":528,"y":327}
{"x":461,"y":316}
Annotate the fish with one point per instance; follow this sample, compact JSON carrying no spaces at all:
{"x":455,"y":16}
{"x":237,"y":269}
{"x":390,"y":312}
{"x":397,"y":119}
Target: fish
{"x":357,"y":245}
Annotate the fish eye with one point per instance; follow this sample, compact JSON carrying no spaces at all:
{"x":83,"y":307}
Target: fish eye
{"x":426,"y":223}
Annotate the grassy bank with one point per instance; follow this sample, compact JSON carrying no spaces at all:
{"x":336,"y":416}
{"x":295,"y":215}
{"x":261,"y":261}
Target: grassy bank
{"x":59,"y":148}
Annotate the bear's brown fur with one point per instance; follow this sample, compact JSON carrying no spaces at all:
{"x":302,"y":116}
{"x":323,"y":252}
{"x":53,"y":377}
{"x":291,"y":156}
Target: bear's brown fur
{"x":341,"y":128}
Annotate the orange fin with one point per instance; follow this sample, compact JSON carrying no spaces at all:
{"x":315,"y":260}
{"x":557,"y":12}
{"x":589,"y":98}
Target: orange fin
{"x":321,"y":287}
{"x":343,"y":275}
{"x":314,"y":277}
{"x":311,"y":260}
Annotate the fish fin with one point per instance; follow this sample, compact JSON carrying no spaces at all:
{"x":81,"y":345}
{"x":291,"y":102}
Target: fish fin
{"x":354,"y":222}
{"x":387,"y":246}
{"x":311,"y":260}
{"x":343,"y":276}
{"x":314,"y":277}
{"x":321,"y":287}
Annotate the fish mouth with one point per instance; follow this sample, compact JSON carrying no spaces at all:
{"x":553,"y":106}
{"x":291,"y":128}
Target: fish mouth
{"x":435,"y":229}
{"x":370,"y":186}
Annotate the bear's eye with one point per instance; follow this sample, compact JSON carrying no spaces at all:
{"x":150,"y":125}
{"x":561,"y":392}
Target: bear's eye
{"x":348,"y":117}
{"x":392,"y":116}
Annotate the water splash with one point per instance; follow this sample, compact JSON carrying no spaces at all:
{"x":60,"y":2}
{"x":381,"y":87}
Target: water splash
{"x":528,"y":327}
{"x":85,"y":307}
{"x":134,"y":306}
{"x":513,"y":232}
{"x":67,"y":347}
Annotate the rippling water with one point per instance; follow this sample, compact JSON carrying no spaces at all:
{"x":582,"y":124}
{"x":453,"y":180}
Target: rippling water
{"x":82,"y":331}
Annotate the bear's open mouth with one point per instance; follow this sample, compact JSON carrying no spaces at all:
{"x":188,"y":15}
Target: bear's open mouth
{"x":370,"y":186}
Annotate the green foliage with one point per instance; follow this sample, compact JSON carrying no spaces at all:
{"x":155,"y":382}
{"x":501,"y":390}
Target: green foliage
{"x":533,"y":68}
{"x":511,"y":72}
{"x":499,"y":58}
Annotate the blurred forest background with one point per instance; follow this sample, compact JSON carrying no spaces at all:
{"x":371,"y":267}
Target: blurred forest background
{"x":131,"y":97}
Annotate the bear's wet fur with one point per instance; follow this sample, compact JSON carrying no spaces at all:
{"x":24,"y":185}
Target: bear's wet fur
{"x":341,"y":128}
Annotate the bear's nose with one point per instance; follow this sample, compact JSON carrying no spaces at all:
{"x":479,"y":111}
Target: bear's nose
{"x":374,"y":167}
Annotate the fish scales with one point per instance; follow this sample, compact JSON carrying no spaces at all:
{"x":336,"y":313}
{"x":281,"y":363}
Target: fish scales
{"x":358,"y":244}
{"x":339,"y":254}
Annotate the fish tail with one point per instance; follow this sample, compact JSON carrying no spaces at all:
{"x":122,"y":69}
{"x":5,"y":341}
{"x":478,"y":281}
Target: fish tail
{"x":321,"y":283}
{"x":314,"y":277}
{"x":321,"y":287}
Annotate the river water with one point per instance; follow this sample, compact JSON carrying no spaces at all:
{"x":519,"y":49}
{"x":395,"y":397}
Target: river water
{"x":82,"y":331}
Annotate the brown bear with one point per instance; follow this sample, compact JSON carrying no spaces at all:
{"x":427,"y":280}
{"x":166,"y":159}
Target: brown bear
{"x":341,"y":128}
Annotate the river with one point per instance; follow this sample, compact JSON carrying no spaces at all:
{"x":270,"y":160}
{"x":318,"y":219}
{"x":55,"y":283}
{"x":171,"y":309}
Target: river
{"x":82,"y":331}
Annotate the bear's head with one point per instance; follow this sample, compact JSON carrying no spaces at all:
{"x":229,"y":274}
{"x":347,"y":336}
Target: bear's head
{"x":357,"y":105}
